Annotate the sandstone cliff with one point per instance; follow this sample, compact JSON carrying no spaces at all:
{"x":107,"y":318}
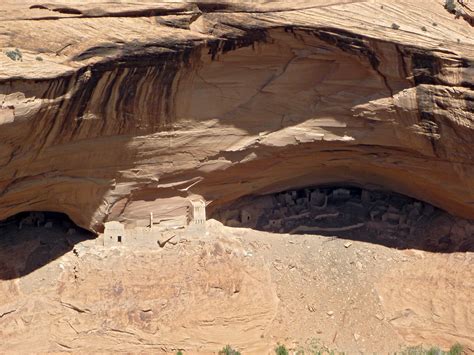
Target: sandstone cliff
{"x":112,"y":111}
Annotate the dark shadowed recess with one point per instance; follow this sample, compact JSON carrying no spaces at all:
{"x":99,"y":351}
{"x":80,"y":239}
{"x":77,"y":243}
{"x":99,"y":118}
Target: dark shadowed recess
{"x":381,"y":217}
{"x":30,"y":240}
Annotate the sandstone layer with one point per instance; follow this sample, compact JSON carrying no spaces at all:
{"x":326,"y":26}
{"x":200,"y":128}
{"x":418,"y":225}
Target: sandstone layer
{"x":63,"y":294}
{"x":111,"y":110}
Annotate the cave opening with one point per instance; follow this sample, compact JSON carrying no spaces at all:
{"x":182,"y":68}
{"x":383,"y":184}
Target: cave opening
{"x":352,"y":212}
{"x":30,"y":240}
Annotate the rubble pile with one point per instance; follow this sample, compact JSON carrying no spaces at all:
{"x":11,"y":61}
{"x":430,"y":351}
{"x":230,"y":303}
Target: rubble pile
{"x":376,"y":216}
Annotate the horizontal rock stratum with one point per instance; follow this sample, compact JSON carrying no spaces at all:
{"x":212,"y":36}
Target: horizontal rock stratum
{"x":111,"y":110}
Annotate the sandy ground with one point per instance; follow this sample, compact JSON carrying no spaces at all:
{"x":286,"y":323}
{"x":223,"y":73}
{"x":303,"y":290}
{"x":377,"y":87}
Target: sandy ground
{"x":62,"y":292}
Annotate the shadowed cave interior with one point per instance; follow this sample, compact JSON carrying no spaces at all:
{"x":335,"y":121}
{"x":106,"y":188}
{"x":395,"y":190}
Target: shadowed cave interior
{"x":30,"y":240}
{"x":375,"y":216}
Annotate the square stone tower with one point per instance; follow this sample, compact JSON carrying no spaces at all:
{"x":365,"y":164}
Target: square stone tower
{"x":197,"y":216}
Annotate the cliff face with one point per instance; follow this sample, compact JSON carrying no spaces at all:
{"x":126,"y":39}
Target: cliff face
{"x":112,"y":112}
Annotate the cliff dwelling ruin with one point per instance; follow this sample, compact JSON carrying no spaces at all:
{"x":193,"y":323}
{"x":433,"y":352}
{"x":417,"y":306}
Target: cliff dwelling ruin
{"x":249,"y":174}
{"x":158,"y":232}
{"x":375,"y":216}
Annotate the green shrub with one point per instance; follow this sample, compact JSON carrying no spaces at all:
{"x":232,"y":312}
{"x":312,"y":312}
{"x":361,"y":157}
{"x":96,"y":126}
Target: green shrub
{"x":456,"y":349}
{"x":424,"y":29}
{"x":414,"y":350}
{"x":227,"y":350}
{"x":395,"y":26}
{"x":281,"y":350}
{"x":179,"y":352}
{"x":450,"y":5}
{"x":434,"y":351}
{"x":14,"y":55}
{"x":314,"y":347}
{"x":39,"y":59}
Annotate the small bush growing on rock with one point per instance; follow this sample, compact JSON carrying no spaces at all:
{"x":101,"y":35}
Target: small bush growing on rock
{"x":395,"y":26}
{"x":434,"y":351}
{"x":281,"y":350}
{"x":14,"y":55}
{"x":424,"y":29}
{"x":450,"y":5}
{"x":179,"y":352}
{"x":314,"y":347}
{"x":453,"y":8}
{"x":456,"y":349}
{"x":414,"y":350}
{"x":228,"y":351}
{"x":39,"y":59}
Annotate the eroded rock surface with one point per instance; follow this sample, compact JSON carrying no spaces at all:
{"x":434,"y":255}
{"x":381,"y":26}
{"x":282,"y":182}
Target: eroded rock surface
{"x":74,"y":295}
{"x":66,"y":293}
{"x":116,"y":111}
{"x":109,"y":112}
{"x":112,"y":111}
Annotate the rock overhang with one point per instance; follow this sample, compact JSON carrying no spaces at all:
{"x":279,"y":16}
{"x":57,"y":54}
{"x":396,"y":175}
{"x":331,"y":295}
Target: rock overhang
{"x":237,"y":104}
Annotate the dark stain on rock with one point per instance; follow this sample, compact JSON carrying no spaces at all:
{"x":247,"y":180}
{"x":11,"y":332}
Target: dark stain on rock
{"x":426,"y":66}
{"x":211,"y":6}
{"x":134,"y":62}
{"x":224,"y":45}
{"x":353,"y":44}
{"x":469,"y":100}
{"x":348,"y":42}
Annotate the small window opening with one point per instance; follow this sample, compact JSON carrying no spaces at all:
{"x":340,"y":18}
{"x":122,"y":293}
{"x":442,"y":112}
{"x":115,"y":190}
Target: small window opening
{"x":119,"y":239}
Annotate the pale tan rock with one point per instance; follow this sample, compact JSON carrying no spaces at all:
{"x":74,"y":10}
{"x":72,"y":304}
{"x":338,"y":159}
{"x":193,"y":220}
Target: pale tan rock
{"x":413,"y":315}
{"x":123,"y":300}
{"x":119,"y":110}
{"x":234,"y":287}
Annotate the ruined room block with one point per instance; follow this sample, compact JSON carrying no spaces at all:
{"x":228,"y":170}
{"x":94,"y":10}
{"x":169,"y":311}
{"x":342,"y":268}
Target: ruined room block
{"x":114,"y":233}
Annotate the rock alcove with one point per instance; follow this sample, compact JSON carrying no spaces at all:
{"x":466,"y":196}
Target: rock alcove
{"x":377,"y":216}
{"x":30,"y":240}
